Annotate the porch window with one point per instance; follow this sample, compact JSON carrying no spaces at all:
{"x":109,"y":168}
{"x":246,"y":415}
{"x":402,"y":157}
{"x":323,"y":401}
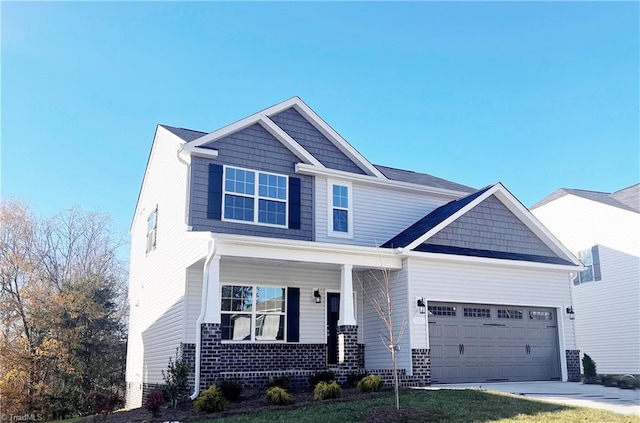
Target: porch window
{"x":257,"y":197}
{"x":253,"y":313}
{"x":340,"y":209}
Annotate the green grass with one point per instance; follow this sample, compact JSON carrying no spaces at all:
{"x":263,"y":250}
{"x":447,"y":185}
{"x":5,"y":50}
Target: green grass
{"x":448,"y":406}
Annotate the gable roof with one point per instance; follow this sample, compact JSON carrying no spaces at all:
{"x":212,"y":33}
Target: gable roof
{"x":415,"y":235}
{"x":431,"y":220}
{"x":421,"y":179}
{"x":184,"y":134}
{"x":626,"y":199}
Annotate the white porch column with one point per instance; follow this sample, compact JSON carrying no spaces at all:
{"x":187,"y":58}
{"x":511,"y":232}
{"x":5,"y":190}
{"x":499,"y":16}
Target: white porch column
{"x":347,"y":310}
{"x":212,"y":297}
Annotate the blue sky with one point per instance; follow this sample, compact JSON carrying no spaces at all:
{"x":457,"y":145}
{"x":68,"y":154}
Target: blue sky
{"x":535,"y":95}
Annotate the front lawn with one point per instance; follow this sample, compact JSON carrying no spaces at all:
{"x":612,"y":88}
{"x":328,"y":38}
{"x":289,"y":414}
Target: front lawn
{"x":435,"y":406}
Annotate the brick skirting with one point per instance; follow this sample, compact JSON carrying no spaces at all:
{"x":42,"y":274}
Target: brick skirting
{"x":573,"y":365}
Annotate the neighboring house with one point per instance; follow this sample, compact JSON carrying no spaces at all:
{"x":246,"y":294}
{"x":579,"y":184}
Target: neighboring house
{"x":603,"y":230}
{"x":253,"y":247}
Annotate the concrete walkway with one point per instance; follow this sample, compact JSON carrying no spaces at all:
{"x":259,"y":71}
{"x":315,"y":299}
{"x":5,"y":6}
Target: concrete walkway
{"x":623,"y":401}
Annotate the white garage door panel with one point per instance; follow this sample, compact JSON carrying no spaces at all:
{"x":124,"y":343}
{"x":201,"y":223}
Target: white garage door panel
{"x":477,"y":343}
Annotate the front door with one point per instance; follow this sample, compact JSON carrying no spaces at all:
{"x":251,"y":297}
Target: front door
{"x":333,"y":314}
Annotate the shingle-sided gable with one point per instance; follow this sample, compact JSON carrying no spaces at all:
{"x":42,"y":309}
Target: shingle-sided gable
{"x":298,"y":128}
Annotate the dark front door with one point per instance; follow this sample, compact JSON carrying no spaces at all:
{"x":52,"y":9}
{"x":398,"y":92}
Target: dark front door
{"x":333,"y":314}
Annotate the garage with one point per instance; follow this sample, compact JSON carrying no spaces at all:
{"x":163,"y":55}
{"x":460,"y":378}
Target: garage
{"x":491,"y":343}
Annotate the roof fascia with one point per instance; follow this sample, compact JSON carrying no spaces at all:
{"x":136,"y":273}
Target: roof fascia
{"x":326,"y":130}
{"x":201,"y":152}
{"x":451,"y":218}
{"x":306,"y":169}
{"x":490,"y":261}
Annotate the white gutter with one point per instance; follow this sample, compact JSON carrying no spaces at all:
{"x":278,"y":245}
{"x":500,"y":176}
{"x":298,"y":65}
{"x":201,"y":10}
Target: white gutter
{"x":213,"y":246}
{"x":188,"y":190}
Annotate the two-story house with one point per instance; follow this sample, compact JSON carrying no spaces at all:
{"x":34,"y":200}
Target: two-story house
{"x":256,"y":247}
{"x":603,"y":230}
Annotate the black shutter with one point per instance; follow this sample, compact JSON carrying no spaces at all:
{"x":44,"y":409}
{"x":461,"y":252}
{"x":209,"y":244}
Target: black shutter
{"x":293,"y":314}
{"x":294,"y":203}
{"x":595,"y":256}
{"x":214,"y":200}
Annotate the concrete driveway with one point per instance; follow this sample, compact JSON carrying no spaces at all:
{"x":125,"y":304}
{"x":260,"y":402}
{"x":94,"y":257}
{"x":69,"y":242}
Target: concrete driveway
{"x":623,"y":401}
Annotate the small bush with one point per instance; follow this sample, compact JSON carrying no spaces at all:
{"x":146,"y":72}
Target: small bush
{"x":153,"y":401}
{"x":628,"y":382}
{"x":231,"y":389}
{"x":212,"y":400}
{"x":324,"y":376}
{"x":279,"y":396}
{"x":326,"y":390}
{"x":280,"y":382}
{"x":371,"y":383}
{"x":105,"y":402}
{"x":176,"y":381}
{"x":589,"y":368}
{"x":608,"y":380}
{"x":354,"y":378}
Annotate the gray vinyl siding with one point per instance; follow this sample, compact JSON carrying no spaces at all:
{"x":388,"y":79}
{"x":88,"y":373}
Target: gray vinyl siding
{"x":251,"y":148}
{"x":298,"y":128}
{"x":491,"y":226}
{"x":377,"y":356}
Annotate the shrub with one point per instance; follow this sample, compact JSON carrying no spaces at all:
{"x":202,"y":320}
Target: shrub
{"x":176,"y":380}
{"x":280,"y":382}
{"x":628,"y":382}
{"x":589,"y":368}
{"x":324,"y":376}
{"x":105,"y":402}
{"x":608,"y":380}
{"x":210,"y":401}
{"x":326,"y":390}
{"x":231,"y":389}
{"x":279,"y":396}
{"x":354,"y":378}
{"x":371,"y":383}
{"x":153,"y":401}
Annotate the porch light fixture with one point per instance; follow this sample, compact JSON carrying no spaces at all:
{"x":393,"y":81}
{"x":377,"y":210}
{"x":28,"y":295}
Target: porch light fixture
{"x":422,"y":306}
{"x":316,"y":295}
{"x":571,"y":313}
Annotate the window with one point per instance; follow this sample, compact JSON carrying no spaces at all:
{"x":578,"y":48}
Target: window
{"x":509,"y":314}
{"x":256,"y":197}
{"x":477,"y":312}
{"x":253,"y":313}
{"x":152,"y":226}
{"x":591,"y":260}
{"x":442,"y":311}
{"x":340,"y":210}
{"x":540,"y":315}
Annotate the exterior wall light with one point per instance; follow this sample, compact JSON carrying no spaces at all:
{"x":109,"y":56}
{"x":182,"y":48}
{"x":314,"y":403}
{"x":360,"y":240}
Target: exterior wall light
{"x":571,"y":313}
{"x":422,"y":306}
{"x":316,"y":295}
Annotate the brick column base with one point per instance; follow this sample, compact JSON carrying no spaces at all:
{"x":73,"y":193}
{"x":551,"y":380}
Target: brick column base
{"x":350,"y":333}
{"x":211,"y":345}
{"x":421,"y":362}
{"x":573,"y":365}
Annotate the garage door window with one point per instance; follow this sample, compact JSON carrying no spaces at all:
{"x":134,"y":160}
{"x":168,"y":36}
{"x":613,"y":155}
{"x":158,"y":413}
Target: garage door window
{"x":484,"y":313}
{"x":442,"y":311}
{"x":509,"y":314}
{"x":540,"y":315}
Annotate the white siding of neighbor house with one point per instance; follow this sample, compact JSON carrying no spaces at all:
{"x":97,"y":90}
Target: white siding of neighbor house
{"x":608,"y":310}
{"x":379,"y":213}
{"x":157,"y":279}
{"x":486,"y":284}
{"x":377,"y":356}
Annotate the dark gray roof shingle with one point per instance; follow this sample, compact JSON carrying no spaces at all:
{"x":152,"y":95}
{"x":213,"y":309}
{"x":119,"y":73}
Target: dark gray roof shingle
{"x":626,"y":199}
{"x":401,"y":175}
{"x":187,"y":135}
{"x":431,"y":220}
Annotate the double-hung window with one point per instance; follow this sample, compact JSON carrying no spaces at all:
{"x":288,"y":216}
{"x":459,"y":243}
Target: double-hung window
{"x":253,"y":313}
{"x":591,"y":260}
{"x":340,"y":209}
{"x":152,"y":227}
{"x":255,"y":197}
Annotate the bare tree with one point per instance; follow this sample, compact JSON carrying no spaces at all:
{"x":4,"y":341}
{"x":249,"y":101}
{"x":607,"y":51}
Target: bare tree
{"x":377,"y":286}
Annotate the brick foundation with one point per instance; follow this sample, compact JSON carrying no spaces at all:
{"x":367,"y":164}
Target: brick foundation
{"x":573,"y":365}
{"x":421,"y":363}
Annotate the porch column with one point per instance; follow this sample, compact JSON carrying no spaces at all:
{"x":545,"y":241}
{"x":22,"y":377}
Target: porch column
{"x":347,"y":314}
{"x":212,"y":297}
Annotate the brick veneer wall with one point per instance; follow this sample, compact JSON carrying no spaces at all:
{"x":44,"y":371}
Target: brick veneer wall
{"x":350,"y":334}
{"x":421,"y":362}
{"x":573,"y":365}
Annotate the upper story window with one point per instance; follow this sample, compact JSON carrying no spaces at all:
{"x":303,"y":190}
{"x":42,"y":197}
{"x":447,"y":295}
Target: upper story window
{"x":257,"y":197}
{"x":591,"y":260}
{"x":340,"y":209}
{"x":152,"y":227}
{"x":253,"y":313}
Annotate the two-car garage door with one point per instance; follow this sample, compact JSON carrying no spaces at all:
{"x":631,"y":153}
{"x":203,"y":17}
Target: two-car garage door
{"x":480,"y":343}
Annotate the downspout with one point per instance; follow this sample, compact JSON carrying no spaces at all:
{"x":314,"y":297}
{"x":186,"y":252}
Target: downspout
{"x":213,"y":246}
{"x":187,"y":192}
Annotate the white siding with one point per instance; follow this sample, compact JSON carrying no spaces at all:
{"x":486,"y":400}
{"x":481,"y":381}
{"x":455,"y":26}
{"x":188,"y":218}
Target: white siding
{"x":193,"y":302}
{"x":607,"y":311}
{"x":306,"y":277}
{"x":377,"y":356}
{"x":379,"y":214}
{"x":487,"y":284}
{"x":157,"y":279}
